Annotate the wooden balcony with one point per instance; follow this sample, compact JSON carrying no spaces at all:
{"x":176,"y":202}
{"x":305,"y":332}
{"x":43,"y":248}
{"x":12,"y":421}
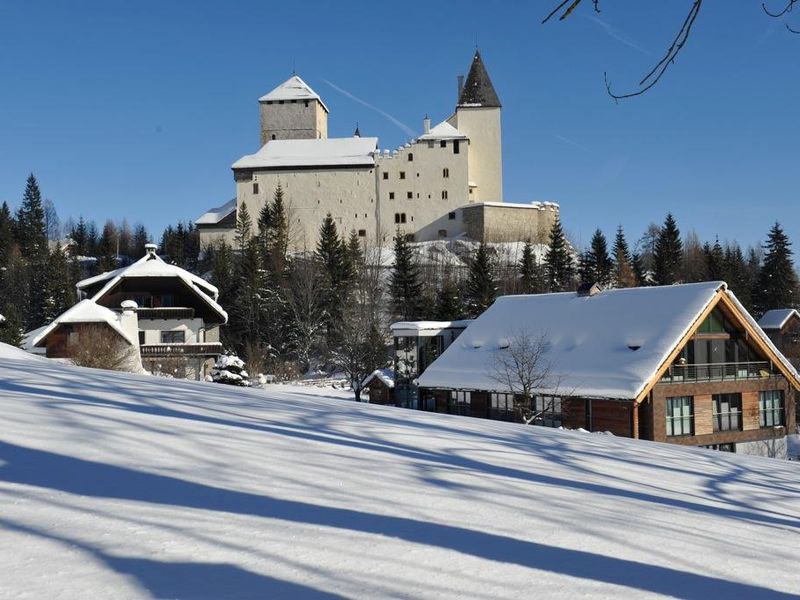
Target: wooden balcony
{"x":165,"y":313}
{"x":207,"y":349}
{"x":698,"y":373}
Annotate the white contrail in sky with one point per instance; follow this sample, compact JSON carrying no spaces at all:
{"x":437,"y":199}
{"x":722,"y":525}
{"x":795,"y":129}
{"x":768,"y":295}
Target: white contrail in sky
{"x":566,"y":140}
{"x":406,"y":129}
{"x":615,"y":33}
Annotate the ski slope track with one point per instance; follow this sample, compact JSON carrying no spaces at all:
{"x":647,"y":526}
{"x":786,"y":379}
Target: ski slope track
{"x":128,"y":486}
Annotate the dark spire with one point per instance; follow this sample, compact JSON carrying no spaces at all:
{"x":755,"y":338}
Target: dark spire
{"x":478,"y":89}
{"x":357,"y":132}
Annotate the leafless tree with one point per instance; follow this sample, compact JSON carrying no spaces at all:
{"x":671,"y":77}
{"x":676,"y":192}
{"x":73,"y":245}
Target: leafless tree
{"x":305,"y":307}
{"x":565,"y":8}
{"x":521,"y":367}
{"x":100,"y":348}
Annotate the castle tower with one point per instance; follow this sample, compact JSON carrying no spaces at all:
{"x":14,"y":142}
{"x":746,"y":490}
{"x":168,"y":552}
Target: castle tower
{"x":478,"y":117}
{"x":292,"y":111}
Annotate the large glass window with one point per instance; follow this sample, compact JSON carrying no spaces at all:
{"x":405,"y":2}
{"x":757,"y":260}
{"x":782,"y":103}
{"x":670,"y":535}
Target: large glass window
{"x":770,"y":408}
{"x":727,"y":412}
{"x":549,"y":410}
{"x":173,"y":337}
{"x":502,"y":407}
{"x":680,"y":416}
{"x":460,"y":403}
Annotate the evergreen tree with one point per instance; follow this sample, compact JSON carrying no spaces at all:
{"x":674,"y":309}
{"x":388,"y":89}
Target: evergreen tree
{"x":777,"y":280}
{"x":449,"y":304}
{"x":11,"y":329}
{"x":279,"y":234}
{"x":92,"y":238}
{"x":603,"y":265}
{"x":59,"y":295}
{"x":586,"y":268}
{"x":405,"y":287}
{"x":107,"y":248}
{"x":331,"y":257}
{"x":244,"y":227}
{"x":6,"y":234}
{"x":558,"y":263}
{"x":126,"y":239}
{"x":140,"y":239}
{"x":80,"y":236}
{"x":31,"y":228}
{"x":668,"y":253}
{"x":637,"y":267}
{"x":737,"y":275}
{"x":715,"y":261}
{"x":623,"y":273}
{"x":528,"y":270}
{"x":481,"y":289}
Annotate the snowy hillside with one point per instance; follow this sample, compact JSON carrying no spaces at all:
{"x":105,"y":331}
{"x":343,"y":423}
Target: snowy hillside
{"x":123,"y":486}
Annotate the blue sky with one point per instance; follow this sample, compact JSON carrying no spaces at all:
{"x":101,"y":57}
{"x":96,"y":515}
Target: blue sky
{"x":137,"y":109}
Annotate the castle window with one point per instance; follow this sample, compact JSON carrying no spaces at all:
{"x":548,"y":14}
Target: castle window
{"x":410,"y":157}
{"x":430,"y":143}
{"x":402,"y":174}
{"x":306,"y":103}
{"x":385,"y":175}
{"x":396,"y":217}
{"x":255,"y":187}
{"x":362,"y":233}
{"x":391,"y":195}
{"x":445,"y":172}
{"x":444,"y":194}
{"x":402,"y":217}
{"x":280,"y":101}
{"x":443,"y":143}
{"x":451,"y":215}
{"x":273,"y":136}
{"x":455,"y":147}
{"x":409,"y":195}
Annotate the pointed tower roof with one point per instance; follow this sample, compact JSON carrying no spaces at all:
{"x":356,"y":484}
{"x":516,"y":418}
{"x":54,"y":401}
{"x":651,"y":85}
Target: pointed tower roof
{"x":293,"y":88}
{"x":357,"y":132}
{"x":478,"y":89}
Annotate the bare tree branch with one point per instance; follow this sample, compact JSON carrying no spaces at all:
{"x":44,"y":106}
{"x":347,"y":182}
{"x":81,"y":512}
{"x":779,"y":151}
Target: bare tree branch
{"x":786,"y":9}
{"x":569,"y":9}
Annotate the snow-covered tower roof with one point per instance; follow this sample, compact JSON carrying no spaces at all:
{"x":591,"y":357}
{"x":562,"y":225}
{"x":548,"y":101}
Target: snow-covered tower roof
{"x":293,"y":88}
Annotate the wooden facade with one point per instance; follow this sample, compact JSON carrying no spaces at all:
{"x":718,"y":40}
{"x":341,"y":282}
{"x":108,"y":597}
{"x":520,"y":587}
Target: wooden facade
{"x":379,"y":392}
{"x":760,"y":388}
{"x":59,"y":341}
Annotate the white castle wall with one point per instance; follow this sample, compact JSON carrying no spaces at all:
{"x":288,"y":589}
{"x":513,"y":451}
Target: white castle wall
{"x":483,"y":127}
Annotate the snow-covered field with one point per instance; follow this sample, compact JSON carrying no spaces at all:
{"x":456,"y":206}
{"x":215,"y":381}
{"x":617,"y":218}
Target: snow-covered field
{"x":124,"y":486}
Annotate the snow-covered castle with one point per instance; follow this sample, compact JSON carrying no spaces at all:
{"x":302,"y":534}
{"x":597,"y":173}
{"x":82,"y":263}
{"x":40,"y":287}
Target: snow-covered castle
{"x":446,"y":183}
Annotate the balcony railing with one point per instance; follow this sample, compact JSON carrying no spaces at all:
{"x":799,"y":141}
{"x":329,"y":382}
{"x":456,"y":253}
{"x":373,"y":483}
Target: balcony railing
{"x":207,"y":349}
{"x":165,"y":313}
{"x":718,"y":372}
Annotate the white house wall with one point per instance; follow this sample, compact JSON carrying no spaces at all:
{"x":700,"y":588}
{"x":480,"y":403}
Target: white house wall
{"x":193,"y":328}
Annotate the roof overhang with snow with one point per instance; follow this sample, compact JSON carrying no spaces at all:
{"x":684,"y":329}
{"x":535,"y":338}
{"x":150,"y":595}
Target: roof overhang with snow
{"x":325,"y":152}
{"x":216,"y":215}
{"x":293,"y":88}
{"x":84,"y":312}
{"x":616,"y":344}
{"x":777,"y":318}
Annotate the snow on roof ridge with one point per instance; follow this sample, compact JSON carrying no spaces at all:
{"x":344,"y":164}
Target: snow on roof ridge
{"x":215,"y":215}
{"x":385,"y":375}
{"x":85,"y":311}
{"x":443,"y":130}
{"x":591,"y":340}
{"x":776,"y":318}
{"x":313,"y":152}
{"x":293,"y":88}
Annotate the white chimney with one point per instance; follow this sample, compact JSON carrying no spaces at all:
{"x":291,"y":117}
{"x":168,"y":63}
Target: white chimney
{"x":150,"y":249}
{"x":426,"y":124}
{"x":129,"y":321}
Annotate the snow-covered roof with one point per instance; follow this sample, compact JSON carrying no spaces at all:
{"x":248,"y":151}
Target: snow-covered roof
{"x":443,"y":131}
{"x":85,"y":311}
{"x":2,"y":318}
{"x":429,"y":325}
{"x":776,"y":318}
{"x":293,"y":88}
{"x":385,"y":375}
{"x":152,"y":265}
{"x":215,"y":215}
{"x":352,"y":151}
{"x":609,"y":345}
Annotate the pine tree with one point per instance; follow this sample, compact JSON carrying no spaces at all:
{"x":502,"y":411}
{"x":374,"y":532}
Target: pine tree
{"x":59,"y":295}
{"x":586,"y":268}
{"x":668,"y":253}
{"x":140,"y":239}
{"x":603,"y":264}
{"x":637,"y":267}
{"x":6,"y":234}
{"x":11,"y":329}
{"x":331,"y":257}
{"x":31,"y":228}
{"x":558,"y":263}
{"x":528,"y":270}
{"x":623,"y":274}
{"x":481,"y":289}
{"x":777,"y":280}
{"x":92,"y":238}
{"x":737,"y":275}
{"x":449,"y":304}
{"x":405,"y":287}
{"x":107,"y":248}
{"x":125,"y":239}
{"x":715,"y":261}
{"x":279,"y":234}
{"x":244,"y":227}
{"x":80,"y":236}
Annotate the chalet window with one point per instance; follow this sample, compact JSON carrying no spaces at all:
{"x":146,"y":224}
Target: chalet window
{"x":141,"y":338}
{"x":444,"y":194}
{"x":72,"y":338}
{"x":391,"y":195}
{"x":770,"y":408}
{"x":402,"y":174}
{"x":386,"y":175}
{"x":501,"y":407}
{"x":727,"y":412}
{"x":445,"y":172}
{"x":460,"y":403}
{"x":455,"y":147}
{"x":173,"y":337}
{"x":680,"y":416}
{"x":255,"y":187}
{"x":410,"y":157}
{"x":362,"y":233}
{"x":167,"y":300}
{"x":409,"y":195}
